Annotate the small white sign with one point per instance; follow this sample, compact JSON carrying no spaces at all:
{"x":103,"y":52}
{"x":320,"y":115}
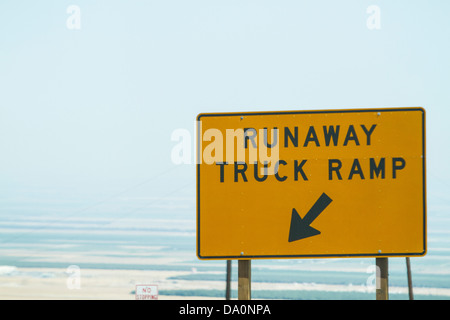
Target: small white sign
{"x":146,"y":292}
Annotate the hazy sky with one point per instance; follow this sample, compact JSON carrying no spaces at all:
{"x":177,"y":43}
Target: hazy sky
{"x":95,"y":103}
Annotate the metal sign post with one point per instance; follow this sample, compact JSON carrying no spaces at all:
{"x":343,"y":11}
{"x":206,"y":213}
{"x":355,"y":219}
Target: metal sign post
{"x":228,"y":281}
{"x":410,"y":286}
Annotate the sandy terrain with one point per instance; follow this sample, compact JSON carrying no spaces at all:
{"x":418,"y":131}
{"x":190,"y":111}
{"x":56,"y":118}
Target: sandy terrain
{"x":53,"y":283}
{"x":50,"y":283}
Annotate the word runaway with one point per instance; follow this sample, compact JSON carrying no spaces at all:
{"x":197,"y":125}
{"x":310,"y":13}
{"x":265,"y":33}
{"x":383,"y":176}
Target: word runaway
{"x":259,"y":145}
{"x":330,"y":136}
{"x":242,"y":309}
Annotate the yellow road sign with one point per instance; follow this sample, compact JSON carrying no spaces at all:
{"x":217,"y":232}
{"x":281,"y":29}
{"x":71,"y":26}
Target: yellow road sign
{"x":311,"y":184}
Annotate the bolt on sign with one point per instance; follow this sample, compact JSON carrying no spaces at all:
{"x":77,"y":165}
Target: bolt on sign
{"x":311,"y":184}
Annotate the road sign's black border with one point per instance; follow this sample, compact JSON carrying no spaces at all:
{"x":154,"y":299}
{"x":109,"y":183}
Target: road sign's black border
{"x":356,"y":255}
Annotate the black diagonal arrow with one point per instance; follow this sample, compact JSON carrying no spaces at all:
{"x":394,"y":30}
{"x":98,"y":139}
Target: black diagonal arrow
{"x":300,"y":228}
